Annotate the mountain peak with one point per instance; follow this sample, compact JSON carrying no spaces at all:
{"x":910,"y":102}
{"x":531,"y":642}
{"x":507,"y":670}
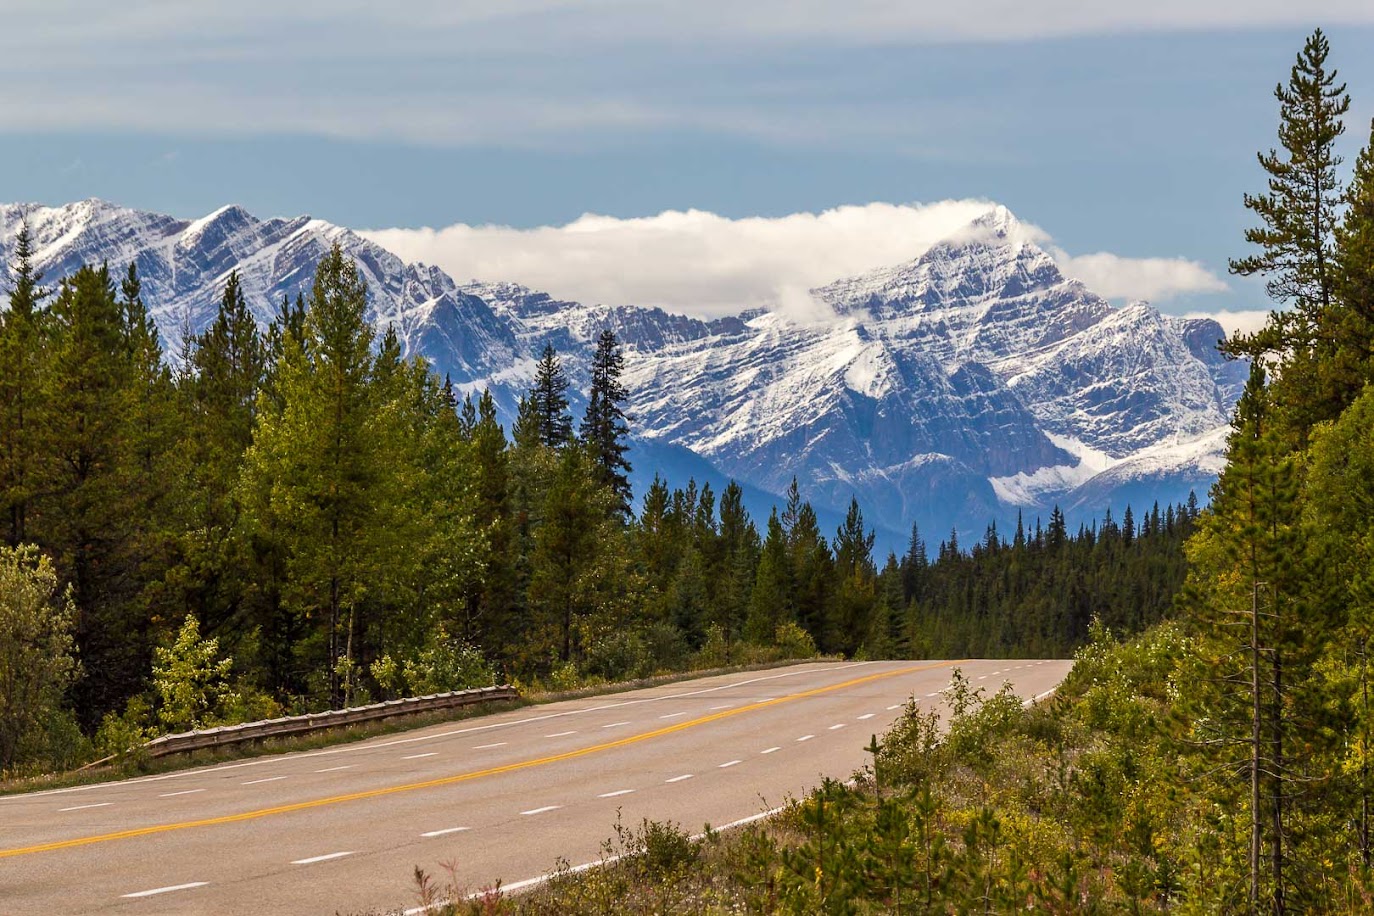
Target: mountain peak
{"x":1000,"y":220}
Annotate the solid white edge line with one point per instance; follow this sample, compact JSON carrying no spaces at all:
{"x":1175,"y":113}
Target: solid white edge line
{"x":1037,"y":698}
{"x":324,"y":858}
{"x":446,"y":830}
{"x":517,"y":886}
{"x":166,"y":890}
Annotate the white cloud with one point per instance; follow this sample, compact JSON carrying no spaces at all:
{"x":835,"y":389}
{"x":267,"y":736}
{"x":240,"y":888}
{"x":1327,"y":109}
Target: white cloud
{"x":1233,"y":322}
{"x":1154,"y":279}
{"x":705,"y":264}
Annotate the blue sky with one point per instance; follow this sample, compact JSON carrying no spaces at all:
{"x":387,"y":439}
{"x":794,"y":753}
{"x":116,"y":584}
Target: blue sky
{"x":1113,"y":129}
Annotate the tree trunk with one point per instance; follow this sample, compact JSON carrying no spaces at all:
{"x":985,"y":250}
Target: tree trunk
{"x":1255,"y":718}
{"x":1277,"y":763}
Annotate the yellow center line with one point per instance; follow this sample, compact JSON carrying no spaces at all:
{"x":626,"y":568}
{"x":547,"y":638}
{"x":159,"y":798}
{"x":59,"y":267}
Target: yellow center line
{"x":458,"y":777}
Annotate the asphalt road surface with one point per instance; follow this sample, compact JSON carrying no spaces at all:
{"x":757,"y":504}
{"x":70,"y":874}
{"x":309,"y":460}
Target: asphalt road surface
{"x":503,"y":796}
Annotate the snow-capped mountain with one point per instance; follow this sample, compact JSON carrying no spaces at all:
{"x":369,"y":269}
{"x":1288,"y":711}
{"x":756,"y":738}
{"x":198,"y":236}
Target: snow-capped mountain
{"x":184,"y":265}
{"x":955,"y":389}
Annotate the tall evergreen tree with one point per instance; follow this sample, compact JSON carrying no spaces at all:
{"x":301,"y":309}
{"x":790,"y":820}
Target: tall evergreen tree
{"x":23,"y":346}
{"x":604,"y":427}
{"x":313,"y":472}
{"x":1300,"y":210}
{"x":549,"y":400}
{"x":83,"y":514}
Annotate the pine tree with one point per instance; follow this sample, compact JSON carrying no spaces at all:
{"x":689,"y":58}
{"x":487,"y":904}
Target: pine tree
{"x":549,"y":400}
{"x":770,"y":603}
{"x":604,"y":427}
{"x":23,"y":348}
{"x":1300,"y":210}
{"x":568,"y":545}
{"x":82,"y":513}
{"x":312,"y":472}
{"x":1352,"y":328}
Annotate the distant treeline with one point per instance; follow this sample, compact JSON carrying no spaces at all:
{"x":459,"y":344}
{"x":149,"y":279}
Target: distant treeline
{"x":300,"y":518}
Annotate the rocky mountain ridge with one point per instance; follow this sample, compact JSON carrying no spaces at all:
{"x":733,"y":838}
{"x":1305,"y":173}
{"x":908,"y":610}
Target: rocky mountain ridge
{"x":972,"y":382}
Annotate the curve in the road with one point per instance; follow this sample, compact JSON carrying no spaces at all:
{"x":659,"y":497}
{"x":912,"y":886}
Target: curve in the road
{"x":460,"y":777}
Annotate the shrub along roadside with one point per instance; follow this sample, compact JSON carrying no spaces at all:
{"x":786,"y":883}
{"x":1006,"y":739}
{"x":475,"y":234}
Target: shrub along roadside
{"x":1083,"y":804}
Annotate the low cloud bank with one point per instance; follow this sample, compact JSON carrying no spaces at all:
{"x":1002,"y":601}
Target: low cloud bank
{"x":701,"y":263}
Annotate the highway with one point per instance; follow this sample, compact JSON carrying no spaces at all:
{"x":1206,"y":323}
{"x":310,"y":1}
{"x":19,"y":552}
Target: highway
{"x":503,"y":796}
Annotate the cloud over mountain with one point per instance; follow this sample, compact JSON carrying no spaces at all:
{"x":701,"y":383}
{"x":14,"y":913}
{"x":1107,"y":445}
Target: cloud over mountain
{"x":702,"y":263}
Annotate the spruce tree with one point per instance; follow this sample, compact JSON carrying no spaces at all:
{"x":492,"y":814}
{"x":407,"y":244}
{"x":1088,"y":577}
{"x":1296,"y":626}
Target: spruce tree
{"x":770,"y":603}
{"x":83,"y":513}
{"x":604,"y":427}
{"x":23,"y":349}
{"x":549,"y":400}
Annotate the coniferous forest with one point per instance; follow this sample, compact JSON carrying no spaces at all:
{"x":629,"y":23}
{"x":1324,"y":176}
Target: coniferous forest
{"x":296,"y":517}
{"x":1217,"y":762}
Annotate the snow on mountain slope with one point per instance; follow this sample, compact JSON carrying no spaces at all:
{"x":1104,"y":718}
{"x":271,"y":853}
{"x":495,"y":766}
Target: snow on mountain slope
{"x":184,"y":265}
{"x":950,"y":390}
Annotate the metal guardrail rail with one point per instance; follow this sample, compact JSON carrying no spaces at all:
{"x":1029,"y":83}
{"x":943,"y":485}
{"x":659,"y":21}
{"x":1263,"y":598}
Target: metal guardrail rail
{"x":296,"y":725}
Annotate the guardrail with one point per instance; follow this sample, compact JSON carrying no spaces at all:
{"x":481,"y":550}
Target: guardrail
{"x":295,"y":725}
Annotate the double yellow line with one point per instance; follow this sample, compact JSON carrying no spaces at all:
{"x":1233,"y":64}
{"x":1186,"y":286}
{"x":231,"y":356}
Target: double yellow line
{"x":458,"y":777}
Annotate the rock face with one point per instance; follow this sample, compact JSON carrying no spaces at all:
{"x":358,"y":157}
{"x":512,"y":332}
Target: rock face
{"x":958,"y":388}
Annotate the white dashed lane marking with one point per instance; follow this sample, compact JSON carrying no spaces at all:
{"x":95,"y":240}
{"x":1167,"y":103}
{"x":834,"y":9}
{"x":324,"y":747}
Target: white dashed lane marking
{"x":673,"y":715}
{"x":617,"y":792}
{"x":483,"y":747}
{"x":837,"y":726}
{"x":182,"y":792}
{"x":806,"y":737}
{"x":679,"y":778}
{"x":254,"y":782}
{"x":729,"y":764}
{"x":84,"y":807}
{"x":166,"y":890}
{"x":867,"y":715}
{"x":346,"y":766}
{"x":560,"y":734}
{"x":770,"y":750}
{"x":445,"y":831}
{"x":418,"y":756}
{"x":615,"y":724}
{"x":541,"y":810}
{"x":324,"y":858}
